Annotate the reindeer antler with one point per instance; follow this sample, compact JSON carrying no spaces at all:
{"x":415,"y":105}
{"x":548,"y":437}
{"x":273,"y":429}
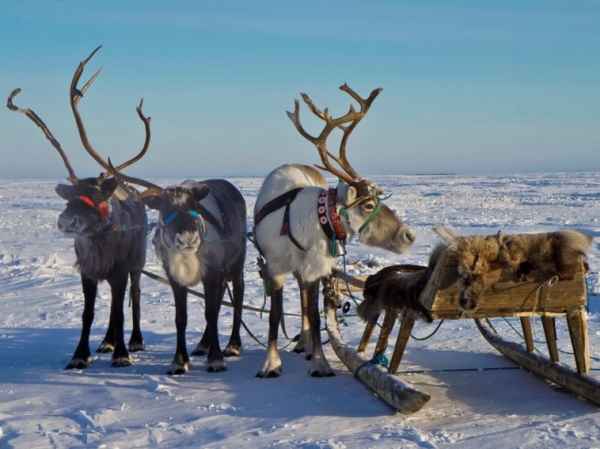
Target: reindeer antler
{"x":77,"y":94}
{"x":40,"y":123}
{"x":345,"y":171}
{"x":151,"y":189}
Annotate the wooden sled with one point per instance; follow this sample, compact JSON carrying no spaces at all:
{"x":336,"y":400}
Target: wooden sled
{"x":549,"y":299}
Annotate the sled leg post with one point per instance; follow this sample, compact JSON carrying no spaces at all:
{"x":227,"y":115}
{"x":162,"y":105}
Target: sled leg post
{"x":366,"y":336}
{"x":388,"y":324}
{"x":578,"y":329}
{"x":527,"y":332}
{"x":408,"y":322}
{"x":549,"y":324}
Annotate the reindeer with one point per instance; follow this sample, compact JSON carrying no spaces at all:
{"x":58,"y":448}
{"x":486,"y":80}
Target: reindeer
{"x":201,"y":236}
{"x":108,"y":225}
{"x":300,"y":226}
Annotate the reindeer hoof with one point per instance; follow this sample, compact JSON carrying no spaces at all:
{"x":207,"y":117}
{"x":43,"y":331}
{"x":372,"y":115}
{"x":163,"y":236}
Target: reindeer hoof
{"x":299,"y":348}
{"x":216,"y":366}
{"x":79,"y":363}
{"x":318,"y":373}
{"x":269,"y":374}
{"x":105,"y":347}
{"x":200,"y":351}
{"x":178,"y":369}
{"x":232,"y":351}
{"x":136,"y":346}
{"x":121,"y":362}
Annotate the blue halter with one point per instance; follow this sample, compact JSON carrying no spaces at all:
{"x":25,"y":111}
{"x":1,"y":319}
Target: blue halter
{"x":193,"y":213}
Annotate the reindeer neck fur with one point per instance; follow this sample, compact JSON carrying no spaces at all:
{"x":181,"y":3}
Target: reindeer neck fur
{"x":185,"y":268}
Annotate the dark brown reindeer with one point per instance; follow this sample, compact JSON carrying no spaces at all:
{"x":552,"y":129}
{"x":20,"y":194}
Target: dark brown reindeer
{"x":108,"y":225}
{"x":299,"y":222}
{"x":201,"y":236}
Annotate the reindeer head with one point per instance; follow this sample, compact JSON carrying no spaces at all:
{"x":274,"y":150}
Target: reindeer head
{"x":361,"y":199}
{"x":87,"y":212}
{"x":181,"y":225}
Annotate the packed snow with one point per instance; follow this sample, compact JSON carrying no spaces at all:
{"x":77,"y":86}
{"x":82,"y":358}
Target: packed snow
{"x":43,"y":406}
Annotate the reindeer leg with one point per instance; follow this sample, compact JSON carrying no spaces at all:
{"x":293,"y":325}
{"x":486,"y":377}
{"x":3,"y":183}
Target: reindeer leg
{"x":181,"y":360}
{"x":319,"y":365}
{"x":202,"y":347}
{"x":305,"y":342}
{"x":234,"y":347}
{"x":82,"y":357}
{"x":136,"y":341}
{"x":108,"y":342}
{"x":214,"y":289}
{"x":272,"y":365}
{"x":118,"y":286}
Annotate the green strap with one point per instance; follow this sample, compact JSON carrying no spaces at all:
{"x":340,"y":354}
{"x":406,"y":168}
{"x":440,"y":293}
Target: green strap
{"x":370,"y":217}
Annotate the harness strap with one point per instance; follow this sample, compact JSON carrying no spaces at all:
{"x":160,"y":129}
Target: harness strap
{"x":275,"y":204}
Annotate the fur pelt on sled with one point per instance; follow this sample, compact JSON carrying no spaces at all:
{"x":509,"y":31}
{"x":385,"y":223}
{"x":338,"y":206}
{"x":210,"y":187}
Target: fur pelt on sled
{"x":483,"y":260}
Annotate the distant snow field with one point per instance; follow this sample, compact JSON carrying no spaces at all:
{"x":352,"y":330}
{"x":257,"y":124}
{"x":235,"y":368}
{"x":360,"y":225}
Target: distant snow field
{"x":43,"y":406}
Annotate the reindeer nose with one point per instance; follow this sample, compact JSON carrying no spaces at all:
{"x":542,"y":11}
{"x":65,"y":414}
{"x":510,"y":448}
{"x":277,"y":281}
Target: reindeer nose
{"x":187,"y":240}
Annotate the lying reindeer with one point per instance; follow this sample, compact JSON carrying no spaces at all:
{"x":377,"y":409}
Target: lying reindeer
{"x":300,"y":224}
{"x":201,"y":236}
{"x":109,"y":227}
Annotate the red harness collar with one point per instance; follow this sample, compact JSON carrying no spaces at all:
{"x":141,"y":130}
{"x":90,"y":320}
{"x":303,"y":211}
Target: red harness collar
{"x":329,"y":218}
{"x":101,"y":207}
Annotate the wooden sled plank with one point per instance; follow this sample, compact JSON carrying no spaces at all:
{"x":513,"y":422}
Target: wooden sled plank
{"x":399,"y":395}
{"x":580,"y":385}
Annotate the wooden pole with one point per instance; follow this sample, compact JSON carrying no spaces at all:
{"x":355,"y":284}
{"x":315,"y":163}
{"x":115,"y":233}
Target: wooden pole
{"x":408,"y":322}
{"x":549,"y":324}
{"x":527,"y":333}
{"x":578,"y":329}
{"x":398,"y":394}
{"x":366,"y":336}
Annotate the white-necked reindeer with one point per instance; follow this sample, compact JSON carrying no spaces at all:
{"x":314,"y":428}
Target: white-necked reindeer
{"x":201,"y":236}
{"x":109,"y":226}
{"x":298,"y":221}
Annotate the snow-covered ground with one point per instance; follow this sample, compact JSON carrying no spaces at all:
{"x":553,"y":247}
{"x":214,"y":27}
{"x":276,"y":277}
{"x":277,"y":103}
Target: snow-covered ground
{"x":43,"y":406}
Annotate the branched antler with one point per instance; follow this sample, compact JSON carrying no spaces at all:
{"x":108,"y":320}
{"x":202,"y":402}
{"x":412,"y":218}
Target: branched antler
{"x":346,"y":123}
{"x":40,"y":123}
{"x":151,"y":189}
{"x":77,"y":94}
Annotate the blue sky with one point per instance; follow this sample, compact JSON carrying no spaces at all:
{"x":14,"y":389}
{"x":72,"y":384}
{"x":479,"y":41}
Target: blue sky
{"x":469,"y":86}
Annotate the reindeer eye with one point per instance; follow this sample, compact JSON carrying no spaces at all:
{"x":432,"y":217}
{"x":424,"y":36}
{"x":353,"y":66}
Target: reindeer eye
{"x":368,"y":207}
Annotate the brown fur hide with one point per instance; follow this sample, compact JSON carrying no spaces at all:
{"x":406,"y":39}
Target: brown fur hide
{"x":541,"y":256}
{"x":397,"y":287}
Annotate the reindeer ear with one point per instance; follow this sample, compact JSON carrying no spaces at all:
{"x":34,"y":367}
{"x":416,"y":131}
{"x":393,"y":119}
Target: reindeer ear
{"x":108,"y":187}
{"x":200,"y":191}
{"x":66,"y":191}
{"x":350,"y":195}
